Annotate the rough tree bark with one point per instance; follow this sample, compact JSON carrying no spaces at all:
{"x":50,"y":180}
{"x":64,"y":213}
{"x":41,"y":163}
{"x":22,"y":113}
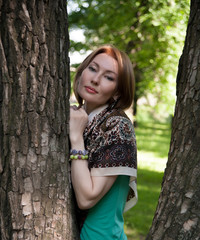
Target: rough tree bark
{"x":35,"y":194}
{"x":178,"y":212}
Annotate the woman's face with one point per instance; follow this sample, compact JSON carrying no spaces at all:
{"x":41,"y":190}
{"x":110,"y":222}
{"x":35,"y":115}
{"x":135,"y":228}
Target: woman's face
{"x":98,"y":81}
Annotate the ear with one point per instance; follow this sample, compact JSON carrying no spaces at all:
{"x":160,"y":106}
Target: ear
{"x":116,"y":96}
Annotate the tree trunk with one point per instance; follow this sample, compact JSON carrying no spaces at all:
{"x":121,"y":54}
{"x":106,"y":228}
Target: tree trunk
{"x":178,"y":212}
{"x":35,"y":193}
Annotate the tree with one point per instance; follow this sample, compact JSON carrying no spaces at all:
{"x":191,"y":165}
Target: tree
{"x":35,"y":193}
{"x":149,"y":31}
{"x":178,"y":212}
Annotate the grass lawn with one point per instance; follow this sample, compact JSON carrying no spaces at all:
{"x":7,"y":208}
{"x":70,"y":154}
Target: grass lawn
{"x":153,"y":141}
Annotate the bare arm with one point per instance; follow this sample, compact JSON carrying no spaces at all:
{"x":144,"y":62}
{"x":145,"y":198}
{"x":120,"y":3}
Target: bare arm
{"x":88,"y":189}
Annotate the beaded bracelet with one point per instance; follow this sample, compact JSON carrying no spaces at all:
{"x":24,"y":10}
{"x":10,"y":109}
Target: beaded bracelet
{"x":78,"y":154}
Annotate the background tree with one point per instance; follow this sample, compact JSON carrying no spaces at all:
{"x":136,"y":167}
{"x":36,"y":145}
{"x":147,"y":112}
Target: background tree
{"x":178,"y":211}
{"x":150,"y":32}
{"x":35,"y":195}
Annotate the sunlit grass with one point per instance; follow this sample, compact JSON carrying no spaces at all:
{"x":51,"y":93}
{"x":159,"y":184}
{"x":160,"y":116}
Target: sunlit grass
{"x":154,"y":138}
{"x":140,"y":217}
{"x":149,"y":160}
{"x":153,"y":141}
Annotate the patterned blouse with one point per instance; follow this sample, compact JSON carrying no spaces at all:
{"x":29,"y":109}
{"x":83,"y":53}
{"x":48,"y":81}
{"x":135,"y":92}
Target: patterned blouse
{"x":110,"y":140}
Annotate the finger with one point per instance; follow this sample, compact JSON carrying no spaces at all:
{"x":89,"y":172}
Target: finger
{"x":74,"y":107}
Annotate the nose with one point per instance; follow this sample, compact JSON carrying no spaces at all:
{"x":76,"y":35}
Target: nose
{"x":95,"y":79}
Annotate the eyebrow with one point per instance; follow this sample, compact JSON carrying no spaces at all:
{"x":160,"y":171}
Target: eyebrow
{"x":107,"y":70}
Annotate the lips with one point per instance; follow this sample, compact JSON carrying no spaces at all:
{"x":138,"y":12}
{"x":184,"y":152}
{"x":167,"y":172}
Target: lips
{"x":90,"y":90}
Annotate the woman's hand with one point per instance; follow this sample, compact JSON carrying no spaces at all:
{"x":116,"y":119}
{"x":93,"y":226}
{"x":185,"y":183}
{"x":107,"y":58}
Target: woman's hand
{"x":78,"y":122}
{"x":88,"y":190}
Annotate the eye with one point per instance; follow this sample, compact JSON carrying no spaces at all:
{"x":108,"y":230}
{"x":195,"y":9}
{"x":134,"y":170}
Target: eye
{"x":109,"y":78}
{"x":92,"y":69}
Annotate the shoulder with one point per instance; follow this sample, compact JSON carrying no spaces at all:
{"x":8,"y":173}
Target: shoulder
{"x":117,"y":117}
{"x":117,"y":112}
{"x":118,"y":122}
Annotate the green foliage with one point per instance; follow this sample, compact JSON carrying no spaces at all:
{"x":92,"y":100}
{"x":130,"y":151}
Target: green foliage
{"x":151,"y":32}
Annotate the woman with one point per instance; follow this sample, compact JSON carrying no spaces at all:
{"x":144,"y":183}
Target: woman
{"x":103,"y":146}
